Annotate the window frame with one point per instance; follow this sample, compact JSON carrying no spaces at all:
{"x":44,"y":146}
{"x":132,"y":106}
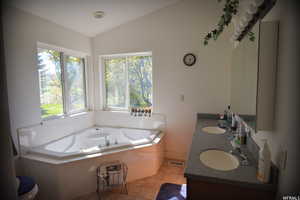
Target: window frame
{"x":103,"y":103}
{"x":66,"y":105}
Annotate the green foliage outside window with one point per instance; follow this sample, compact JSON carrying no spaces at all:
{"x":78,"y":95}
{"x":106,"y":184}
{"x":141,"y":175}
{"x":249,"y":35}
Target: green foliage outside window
{"x":128,"y":81}
{"x":51,"y":85}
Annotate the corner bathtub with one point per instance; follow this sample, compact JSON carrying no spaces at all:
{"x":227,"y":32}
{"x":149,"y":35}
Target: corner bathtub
{"x":95,"y":140}
{"x":66,"y":168}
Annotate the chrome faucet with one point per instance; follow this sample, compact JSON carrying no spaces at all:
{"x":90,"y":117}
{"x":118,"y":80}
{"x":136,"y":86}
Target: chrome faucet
{"x":238,"y":152}
{"x":107,"y":143}
{"x":236,"y":148}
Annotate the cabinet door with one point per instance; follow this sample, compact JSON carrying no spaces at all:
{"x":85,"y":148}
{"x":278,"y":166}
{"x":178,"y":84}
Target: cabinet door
{"x":198,"y":190}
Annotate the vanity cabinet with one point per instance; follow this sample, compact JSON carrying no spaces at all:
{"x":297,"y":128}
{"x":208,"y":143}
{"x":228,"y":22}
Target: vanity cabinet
{"x":266,"y":80}
{"x":198,"y":190}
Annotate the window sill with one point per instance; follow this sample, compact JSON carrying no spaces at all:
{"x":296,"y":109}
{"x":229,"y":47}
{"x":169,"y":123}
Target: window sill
{"x":85,"y":112}
{"x":118,"y":111}
{"x":58,"y":117}
{"x":115,"y":111}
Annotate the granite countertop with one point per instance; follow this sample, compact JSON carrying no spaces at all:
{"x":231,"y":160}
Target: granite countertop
{"x":243,"y":176}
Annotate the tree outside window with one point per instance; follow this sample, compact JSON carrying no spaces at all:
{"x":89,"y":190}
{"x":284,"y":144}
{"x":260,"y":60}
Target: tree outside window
{"x":62,"y":83}
{"x":128,"y":81}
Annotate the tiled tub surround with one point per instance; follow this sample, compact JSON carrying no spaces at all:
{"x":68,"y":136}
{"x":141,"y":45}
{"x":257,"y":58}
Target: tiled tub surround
{"x":243,"y":176}
{"x":70,"y":176}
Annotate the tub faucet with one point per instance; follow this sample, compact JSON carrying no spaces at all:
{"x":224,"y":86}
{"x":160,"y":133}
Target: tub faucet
{"x":107,"y":143}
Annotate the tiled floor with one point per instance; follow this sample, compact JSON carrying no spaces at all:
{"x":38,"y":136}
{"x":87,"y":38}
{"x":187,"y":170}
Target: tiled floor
{"x":147,"y":188}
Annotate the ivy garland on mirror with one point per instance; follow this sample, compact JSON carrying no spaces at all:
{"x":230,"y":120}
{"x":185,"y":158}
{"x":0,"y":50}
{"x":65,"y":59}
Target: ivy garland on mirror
{"x":230,"y":9}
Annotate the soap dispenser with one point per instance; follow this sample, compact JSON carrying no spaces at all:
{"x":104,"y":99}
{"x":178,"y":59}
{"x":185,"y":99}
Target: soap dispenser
{"x":264,"y":163}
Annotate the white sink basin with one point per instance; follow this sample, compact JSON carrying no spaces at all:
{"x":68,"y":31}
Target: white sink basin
{"x":213,"y":130}
{"x":219,"y":160}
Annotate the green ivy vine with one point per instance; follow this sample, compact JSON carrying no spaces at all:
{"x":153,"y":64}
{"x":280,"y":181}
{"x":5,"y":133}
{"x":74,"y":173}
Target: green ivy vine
{"x":230,"y":9}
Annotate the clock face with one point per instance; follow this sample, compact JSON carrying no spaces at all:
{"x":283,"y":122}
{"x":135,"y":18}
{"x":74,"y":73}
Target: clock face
{"x":189,"y":59}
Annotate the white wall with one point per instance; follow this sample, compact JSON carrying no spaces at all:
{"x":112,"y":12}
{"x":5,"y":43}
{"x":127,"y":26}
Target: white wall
{"x":170,"y":33}
{"x":21,"y":33}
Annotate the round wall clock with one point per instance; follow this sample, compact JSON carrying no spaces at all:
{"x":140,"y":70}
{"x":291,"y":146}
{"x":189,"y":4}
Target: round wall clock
{"x":189,"y":59}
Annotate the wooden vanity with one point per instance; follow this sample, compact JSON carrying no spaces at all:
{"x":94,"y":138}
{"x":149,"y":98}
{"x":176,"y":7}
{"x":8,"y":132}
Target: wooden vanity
{"x":199,"y":189}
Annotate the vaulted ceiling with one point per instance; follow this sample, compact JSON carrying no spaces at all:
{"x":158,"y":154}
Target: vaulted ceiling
{"x":78,"y":14}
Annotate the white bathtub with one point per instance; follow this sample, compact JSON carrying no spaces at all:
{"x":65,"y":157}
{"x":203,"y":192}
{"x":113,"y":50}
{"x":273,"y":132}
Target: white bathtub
{"x":95,"y":140}
{"x":69,"y":164}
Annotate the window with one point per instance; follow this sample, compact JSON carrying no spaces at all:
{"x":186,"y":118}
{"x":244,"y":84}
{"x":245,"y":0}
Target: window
{"x":127,"y":81}
{"x":75,"y":84}
{"x":62,"y":83}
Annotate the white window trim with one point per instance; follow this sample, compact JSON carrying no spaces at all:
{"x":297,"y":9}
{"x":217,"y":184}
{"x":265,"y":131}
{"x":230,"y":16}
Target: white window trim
{"x":67,"y":52}
{"x":103,"y":105}
{"x":85,"y":109}
{"x":61,"y":49}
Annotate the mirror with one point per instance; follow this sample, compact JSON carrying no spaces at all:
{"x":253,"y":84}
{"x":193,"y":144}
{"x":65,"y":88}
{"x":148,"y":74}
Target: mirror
{"x":243,"y":80}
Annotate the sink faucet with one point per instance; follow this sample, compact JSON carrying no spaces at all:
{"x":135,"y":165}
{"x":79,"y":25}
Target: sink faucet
{"x":238,"y":152}
{"x":236,"y":143}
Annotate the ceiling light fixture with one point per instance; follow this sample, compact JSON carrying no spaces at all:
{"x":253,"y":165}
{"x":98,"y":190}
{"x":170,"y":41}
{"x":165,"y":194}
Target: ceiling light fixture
{"x":98,"y":14}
